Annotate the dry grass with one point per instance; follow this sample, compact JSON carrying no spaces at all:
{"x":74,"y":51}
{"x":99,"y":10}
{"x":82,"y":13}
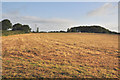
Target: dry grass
{"x":60,"y":55}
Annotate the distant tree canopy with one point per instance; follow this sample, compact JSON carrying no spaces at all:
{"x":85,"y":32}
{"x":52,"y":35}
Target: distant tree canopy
{"x":19,"y":26}
{"x":0,"y":25}
{"x":61,"y":31}
{"x":68,"y":30}
{"x":26,"y":28}
{"x":6,"y":24}
{"x":89,"y":29}
{"x":37,"y":29}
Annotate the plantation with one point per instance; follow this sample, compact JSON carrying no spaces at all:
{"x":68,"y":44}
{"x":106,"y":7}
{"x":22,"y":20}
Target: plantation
{"x":60,"y":55}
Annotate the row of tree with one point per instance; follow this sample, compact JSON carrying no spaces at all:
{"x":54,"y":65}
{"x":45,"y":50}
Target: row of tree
{"x":6,"y":25}
{"x":90,"y":29}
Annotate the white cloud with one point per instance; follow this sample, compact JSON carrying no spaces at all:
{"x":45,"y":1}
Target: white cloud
{"x":106,"y":9}
{"x":106,"y":16}
{"x":43,"y":24}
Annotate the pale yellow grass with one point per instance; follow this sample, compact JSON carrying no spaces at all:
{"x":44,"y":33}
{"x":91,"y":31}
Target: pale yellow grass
{"x":60,"y":55}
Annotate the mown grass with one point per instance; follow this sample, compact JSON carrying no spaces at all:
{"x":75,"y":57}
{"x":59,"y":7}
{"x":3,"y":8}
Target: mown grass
{"x":64,"y":55}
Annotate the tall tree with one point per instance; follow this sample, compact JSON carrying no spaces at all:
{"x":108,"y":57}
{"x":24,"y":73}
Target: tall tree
{"x":17,"y":26}
{"x":68,"y":30}
{"x":0,"y":25}
{"x":26,"y":28}
{"x":21,"y":27}
{"x":6,"y":24}
{"x":37,"y":29}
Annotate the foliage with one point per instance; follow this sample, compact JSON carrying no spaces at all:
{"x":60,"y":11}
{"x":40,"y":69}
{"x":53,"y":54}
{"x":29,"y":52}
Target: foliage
{"x":89,"y":29}
{"x":17,"y":26}
{"x":37,"y":29}
{"x":21,"y":27}
{"x":6,"y":24}
{"x":68,"y":30}
{"x":62,"y":31}
{"x":6,"y":33}
{"x":26,"y":28}
{"x":57,"y":31}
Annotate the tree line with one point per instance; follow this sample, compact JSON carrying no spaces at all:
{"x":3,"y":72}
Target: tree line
{"x":90,"y":29}
{"x":6,"y":25}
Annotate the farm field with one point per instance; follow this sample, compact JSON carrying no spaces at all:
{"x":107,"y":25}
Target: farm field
{"x":60,"y":55}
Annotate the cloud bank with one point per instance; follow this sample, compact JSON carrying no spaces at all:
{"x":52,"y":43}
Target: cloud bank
{"x":43,"y":24}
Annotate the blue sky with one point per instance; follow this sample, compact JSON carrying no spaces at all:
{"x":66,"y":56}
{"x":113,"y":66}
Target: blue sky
{"x":61,"y":15}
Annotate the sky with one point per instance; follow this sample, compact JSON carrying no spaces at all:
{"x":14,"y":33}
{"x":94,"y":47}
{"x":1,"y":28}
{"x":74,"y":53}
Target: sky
{"x":49,"y":16}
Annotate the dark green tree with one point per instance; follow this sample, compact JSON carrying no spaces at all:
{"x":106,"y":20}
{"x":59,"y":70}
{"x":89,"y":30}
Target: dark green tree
{"x":26,"y":28}
{"x":21,"y":27}
{"x":90,"y":29}
{"x":17,"y":26}
{"x":0,"y":25}
{"x":6,"y":24}
{"x":68,"y":30}
{"x":37,"y":29}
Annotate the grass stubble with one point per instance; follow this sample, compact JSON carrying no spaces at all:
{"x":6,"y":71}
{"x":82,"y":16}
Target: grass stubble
{"x":60,"y":55}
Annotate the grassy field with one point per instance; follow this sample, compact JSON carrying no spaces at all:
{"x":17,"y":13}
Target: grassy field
{"x":7,"y":33}
{"x":60,"y":55}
